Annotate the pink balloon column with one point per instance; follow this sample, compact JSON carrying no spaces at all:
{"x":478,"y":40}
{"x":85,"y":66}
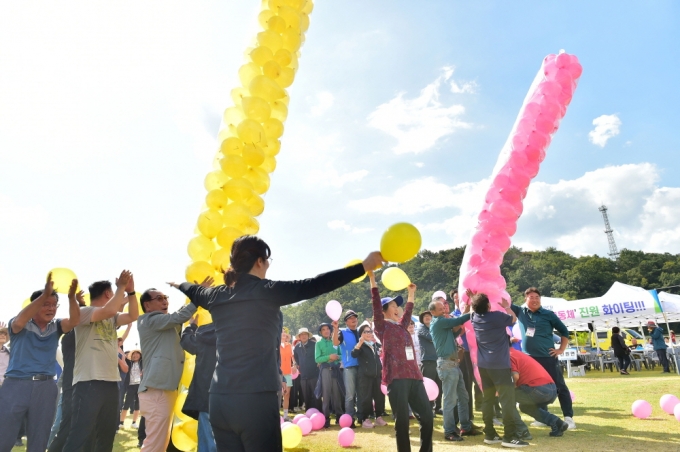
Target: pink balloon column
{"x":518,"y":163}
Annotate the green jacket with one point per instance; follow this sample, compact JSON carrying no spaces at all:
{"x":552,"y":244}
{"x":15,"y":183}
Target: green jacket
{"x":324,"y":349}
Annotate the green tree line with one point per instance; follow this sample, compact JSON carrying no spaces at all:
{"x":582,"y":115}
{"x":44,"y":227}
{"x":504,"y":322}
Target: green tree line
{"x":555,"y":273}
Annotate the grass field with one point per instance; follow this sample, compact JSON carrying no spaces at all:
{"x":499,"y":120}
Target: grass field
{"x":601,"y":411}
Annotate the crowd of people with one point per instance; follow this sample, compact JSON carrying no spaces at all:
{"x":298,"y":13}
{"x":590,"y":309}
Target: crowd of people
{"x":247,"y":371}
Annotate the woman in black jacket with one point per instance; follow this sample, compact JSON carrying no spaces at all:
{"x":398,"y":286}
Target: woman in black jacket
{"x":368,"y":386}
{"x":621,"y":350}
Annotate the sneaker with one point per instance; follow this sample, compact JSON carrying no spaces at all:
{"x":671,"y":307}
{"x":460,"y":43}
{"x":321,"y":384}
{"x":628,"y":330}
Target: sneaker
{"x":286,"y":418}
{"x":514,"y":443}
{"x":471,"y":432}
{"x":538,"y":424}
{"x":559,"y":428}
{"x":379,"y":422}
{"x":353,"y":425}
{"x":570,"y":422}
{"x":453,"y":437}
{"x":18,"y":443}
{"x":526,"y":436}
{"x":497,"y":422}
{"x":134,"y":425}
{"x":140,"y":444}
{"x":367,"y":424}
{"x":492,"y":439}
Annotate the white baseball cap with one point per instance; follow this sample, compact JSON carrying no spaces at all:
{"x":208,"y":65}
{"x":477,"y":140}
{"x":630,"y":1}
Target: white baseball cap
{"x":439,"y":294}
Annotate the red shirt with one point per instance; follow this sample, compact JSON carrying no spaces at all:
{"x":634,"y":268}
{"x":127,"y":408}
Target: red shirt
{"x":530,"y":372}
{"x":394,"y":338}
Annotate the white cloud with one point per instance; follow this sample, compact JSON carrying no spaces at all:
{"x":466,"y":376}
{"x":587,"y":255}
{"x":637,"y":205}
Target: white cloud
{"x":331,"y":177}
{"x":419,"y":164}
{"x":418,"y":123}
{"x":321,"y":103}
{"x":342,"y":225}
{"x":606,"y":127}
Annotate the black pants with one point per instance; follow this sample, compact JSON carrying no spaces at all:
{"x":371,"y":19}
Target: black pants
{"x":404,"y":393}
{"x":500,"y":380}
{"x":429,"y":370}
{"x":65,"y":425}
{"x":131,"y":398}
{"x":663,"y":359}
{"x":296,"y":399}
{"x":368,"y":390}
{"x":624,"y":362}
{"x":95,"y":413}
{"x":141,"y":433}
{"x":246,"y":422}
{"x":308,"y":385}
{"x":552,"y":366}
{"x":468,"y":377}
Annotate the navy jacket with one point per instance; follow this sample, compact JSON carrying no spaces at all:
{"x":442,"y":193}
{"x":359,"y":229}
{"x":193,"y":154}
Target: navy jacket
{"x":369,"y":360}
{"x":427,"y":349}
{"x":201,"y":342}
{"x":304,"y":357}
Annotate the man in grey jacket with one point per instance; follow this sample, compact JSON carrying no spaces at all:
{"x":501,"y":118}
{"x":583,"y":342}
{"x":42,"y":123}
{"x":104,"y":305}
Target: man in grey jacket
{"x":163,"y":363}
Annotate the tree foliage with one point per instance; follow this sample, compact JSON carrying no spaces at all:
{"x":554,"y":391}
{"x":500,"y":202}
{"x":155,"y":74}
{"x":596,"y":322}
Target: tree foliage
{"x":555,"y":273}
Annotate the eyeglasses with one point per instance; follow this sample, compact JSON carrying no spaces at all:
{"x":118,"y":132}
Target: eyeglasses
{"x":270,"y":259}
{"x":367,"y":332}
{"x":160,"y":297}
{"x":49,"y":305}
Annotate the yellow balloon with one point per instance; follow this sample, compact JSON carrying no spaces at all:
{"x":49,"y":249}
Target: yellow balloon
{"x":309,"y":6}
{"x":279,"y":110}
{"x":204,"y":317}
{"x":395,"y":279}
{"x":233,"y":115}
{"x":294,"y":63}
{"x":255,"y":204}
{"x":264,"y":17}
{"x":200,"y":248}
{"x":125,"y":309}
{"x":182,"y":396}
{"x":62,"y":278}
{"x":215,"y":179}
{"x":272,"y":148}
{"x":291,"y":39}
{"x":354,"y":262}
{"x":251,"y":131}
{"x":197,"y":272}
{"x":276,"y":24}
{"x":227,"y":236}
{"x":259,"y":178}
{"x":304,"y":22}
{"x":236,"y":214}
{"x":231,"y":146}
{"x":271,"y":69}
{"x":210,"y":223}
{"x":295,"y":4}
{"x":291,"y":435}
{"x":25,"y":303}
{"x":269,"y":164}
{"x":266,"y":88}
{"x":216,"y":199}
{"x":190,"y":427}
{"x":181,"y":440}
{"x":247,"y":72}
{"x":252,"y":226}
{"x":233,"y":166}
{"x":273,"y":128}
{"x":86,"y":299}
{"x":239,"y":189}
{"x":221,"y":258}
{"x":283,"y":57}
{"x":400,"y":242}
{"x":291,"y":16}
{"x":253,"y":155}
{"x":256,"y":108}
{"x":237,"y":95}
{"x":260,"y":55}
{"x":286,"y":77}
{"x":269,"y":39}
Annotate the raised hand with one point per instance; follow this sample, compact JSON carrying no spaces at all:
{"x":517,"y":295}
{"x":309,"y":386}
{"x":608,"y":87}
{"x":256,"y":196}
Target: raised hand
{"x":207,"y":282}
{"x":505,"y":304}
{"x":72,"y":289}
{"x":411,"y":289}
{"x":173,"y":285}
{"x":49,"y":285}
{"x":373,"y":261}
{"x":335,"y":324}
{"x":130,"y":287}
{"x":123,"y":280}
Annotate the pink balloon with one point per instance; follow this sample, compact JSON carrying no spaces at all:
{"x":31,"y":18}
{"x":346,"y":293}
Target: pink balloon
{"x":297,"y":418}
{"x":295,"y":374}
{"x":383,"y":388}
{"x":281,"y":420}
{"x":492,"y":254}
{"x":668,"y":403}
{"x":311,"y":411}
{"x":575,"y":69}
{"x":333,"y":309}
{"x":318,"y":421}
{"x":484,"y":215}
{"x":479,"y":239}
{"x":501,"y":181}
{"x":564,"y":98}
{"x":305,"y":425}
{"x":676,"y":411}
{"x":562,"y":60}
{"x":573,"y":396}
{"x":519,"y":141}
{"x":345,"y":420}
{"x":285,"y":424}
{"x":500,"y":240}
{"x":516,"y":333}
{"x":475,"y":260}
{"x":431,"y":388}
{"x":641,"y":409}
{"x":503,"y":209}
{"x":346,"y":437}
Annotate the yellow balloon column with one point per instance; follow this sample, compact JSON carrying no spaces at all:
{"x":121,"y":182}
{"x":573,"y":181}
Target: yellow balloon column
{"x":248,"y":146}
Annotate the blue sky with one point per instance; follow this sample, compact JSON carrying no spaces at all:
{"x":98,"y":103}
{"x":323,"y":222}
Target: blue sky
{"x":109,"y":115}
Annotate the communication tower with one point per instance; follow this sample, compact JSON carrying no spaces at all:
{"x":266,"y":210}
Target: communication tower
{"x":613,"y":251}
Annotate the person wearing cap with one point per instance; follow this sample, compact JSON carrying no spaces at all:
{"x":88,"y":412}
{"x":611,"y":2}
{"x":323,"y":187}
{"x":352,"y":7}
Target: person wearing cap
{"x":327,"y":356}
{"x":453,"y":386}
{"x":29,"y":388}
{"x":4,"y":351}
{"x":347,"y":338}
{"x":400,"y":372}
{"x":428,"y":356}
{"x":659,"y":344}
{"x":309,"y":371}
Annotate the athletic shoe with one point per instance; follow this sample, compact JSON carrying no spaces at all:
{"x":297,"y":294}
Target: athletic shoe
{"x":472,"y":432}
{"x":453,"y":437}
{"x":514,"y":443}
{"x":526,"y":436}
{"x":497,"y":422}
{"x":134,"y":425}
{"x":492,"y":439}
{"x":559,"y":428}
{"x":379,"y":422}
{"x":18,"y":443}
{"x":570,"y":422}
{"x":140,"y":444}
{"x":367,"y":424}
{"x":538,"y":424}
{"x":286,"y":418}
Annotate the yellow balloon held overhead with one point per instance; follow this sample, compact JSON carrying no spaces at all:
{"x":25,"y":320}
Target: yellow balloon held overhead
{"x":62,"y":278}
{"x":394,"y":279}
{"x":400,"y":243}
{"x":354,"y":262}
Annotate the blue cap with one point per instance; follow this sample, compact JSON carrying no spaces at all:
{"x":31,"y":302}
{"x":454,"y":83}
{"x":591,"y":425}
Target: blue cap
{"x":330,"y":327}
{"x":398,"y":299}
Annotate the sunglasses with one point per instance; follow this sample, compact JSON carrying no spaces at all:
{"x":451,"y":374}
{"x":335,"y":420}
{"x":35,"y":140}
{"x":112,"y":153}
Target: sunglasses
{"x":160,"y":297}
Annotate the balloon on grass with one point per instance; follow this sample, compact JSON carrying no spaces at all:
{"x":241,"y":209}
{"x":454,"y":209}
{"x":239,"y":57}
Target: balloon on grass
{"x":297,"y":418}
{"x":668,"y":403}
{"x":641,"y":409}
{"x":346,"y":437}
{"x":305,"y":425}
{"x":400,"y":242}
{"x":318,"y":421}
{"x":676,"y":412}
{"x":291,"y":435}
{"x":311,"y":411}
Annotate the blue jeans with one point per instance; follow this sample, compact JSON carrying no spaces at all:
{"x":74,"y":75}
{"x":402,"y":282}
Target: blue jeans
{"x":534,"y":401}
{"x":206,"y":440}
{"x":350,"y":377}
{"x":455,"y":394}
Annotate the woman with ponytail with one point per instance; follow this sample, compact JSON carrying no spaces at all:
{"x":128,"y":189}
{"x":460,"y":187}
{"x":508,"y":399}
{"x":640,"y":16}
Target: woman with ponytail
{"x":244,"y":408}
